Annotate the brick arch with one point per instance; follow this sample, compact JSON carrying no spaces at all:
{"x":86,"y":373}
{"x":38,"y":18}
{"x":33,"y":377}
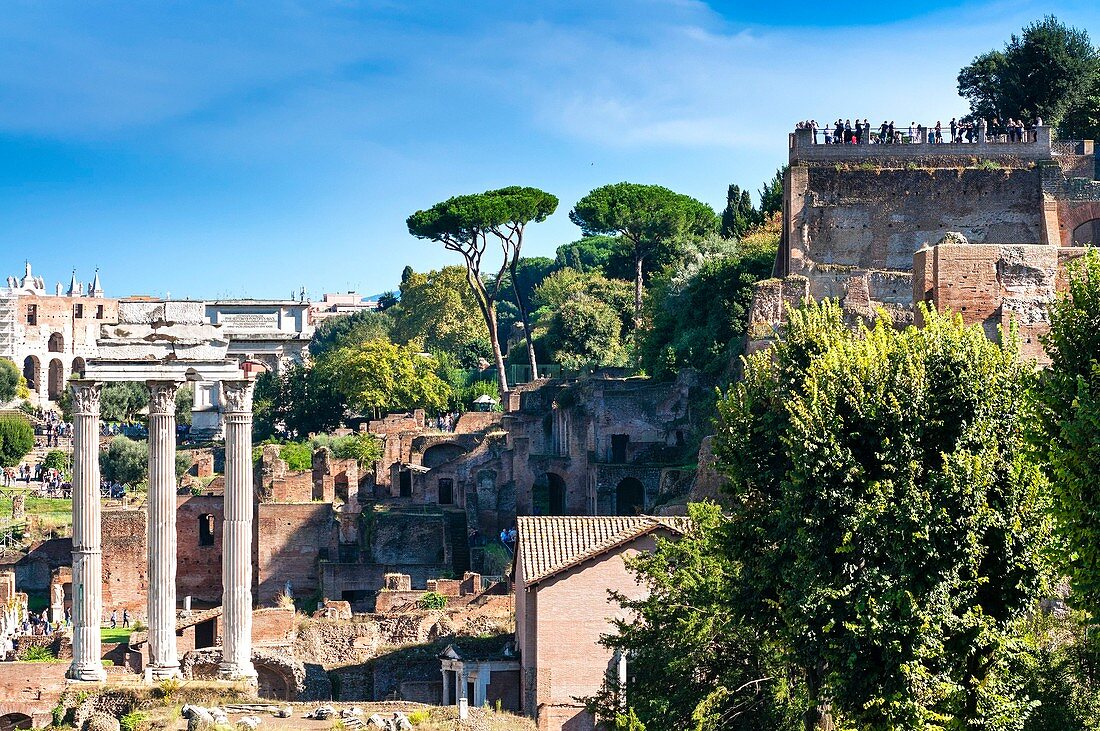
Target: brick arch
{"x":1072,"y":214}
{"x":37,"y":711}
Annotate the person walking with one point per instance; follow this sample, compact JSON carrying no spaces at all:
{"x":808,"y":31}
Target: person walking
{"x":126,"y":618}
{"x":114,"y":618}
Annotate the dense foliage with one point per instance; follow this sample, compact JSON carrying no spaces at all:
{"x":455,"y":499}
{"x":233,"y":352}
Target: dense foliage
{"x":1050,"y":71}
{"x":698,"y":316}
{"x":652,"y":220}
{"x":10,"y":380}
{"x":16,"y":439}
{"x":124,"y":461}
{"x":887,"y":535}
{"x":1067,"y":422}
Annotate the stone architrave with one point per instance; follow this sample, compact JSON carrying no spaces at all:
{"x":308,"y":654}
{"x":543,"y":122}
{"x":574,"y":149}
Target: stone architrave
{"x":236,"y":399}
{"x":87,"y":546}
{"x":163,"y":655}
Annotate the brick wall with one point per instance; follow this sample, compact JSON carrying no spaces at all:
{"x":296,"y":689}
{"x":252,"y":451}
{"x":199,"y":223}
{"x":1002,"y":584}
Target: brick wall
{"x":199,"y":567}
{"x":125,"y":581}
{"x":292,"y":539}
{"x":31,"y":688}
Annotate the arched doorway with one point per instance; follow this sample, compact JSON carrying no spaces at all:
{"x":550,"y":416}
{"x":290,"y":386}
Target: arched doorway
{"x":1087,"y":234}
{"x":441,"y":454}
{"x":57,"y":379}
{"x":78,"y":366}
{"x":629,"y":497}
{"x":57,"y":343}
{"x":32,"y":372}
{"x":14,"y":720}
{"x":272,"y":683}
{"x":548,"y":495}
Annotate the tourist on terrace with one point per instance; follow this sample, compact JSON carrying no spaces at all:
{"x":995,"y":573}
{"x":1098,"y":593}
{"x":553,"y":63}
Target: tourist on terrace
{"x":954,"y":130}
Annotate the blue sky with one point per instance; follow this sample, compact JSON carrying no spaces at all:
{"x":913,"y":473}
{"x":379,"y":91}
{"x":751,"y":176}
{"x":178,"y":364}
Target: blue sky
{"x":249,"y":149}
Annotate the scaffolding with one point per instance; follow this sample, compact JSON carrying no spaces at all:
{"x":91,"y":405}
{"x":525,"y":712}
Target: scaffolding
{"x":8,"y":303}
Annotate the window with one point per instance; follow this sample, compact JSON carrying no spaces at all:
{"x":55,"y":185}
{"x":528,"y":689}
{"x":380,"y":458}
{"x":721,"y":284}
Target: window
{"x":619,"y":443}
{"x":99,"y":312}
{"x":78,"y":311}
{"x":32,"y":314}
{"x":446,"y":491}
{"x":206,"y":530}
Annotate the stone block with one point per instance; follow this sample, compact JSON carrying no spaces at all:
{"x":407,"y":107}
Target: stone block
{"x":189,"y":313}
{"x":145,"y":313}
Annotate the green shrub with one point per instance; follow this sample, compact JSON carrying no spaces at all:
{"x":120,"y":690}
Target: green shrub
{"x":37,"y":653}
{"x":16,"y":439}
{"x":418,"y":717}
{"x":432,"y":600}
{"x":298,"y":456}
{"x":132,"y":721}
{"x":55,"y":460}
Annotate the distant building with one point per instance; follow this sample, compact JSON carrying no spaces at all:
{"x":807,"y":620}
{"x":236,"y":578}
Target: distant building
{"x":51,"y":335}
{"x":341,"y":303}
{"x":564,"y":568}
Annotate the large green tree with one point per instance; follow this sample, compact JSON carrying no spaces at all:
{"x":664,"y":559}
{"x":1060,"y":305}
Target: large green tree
{"x":584,"y":319}
{"x":465,"y":224}
{"x":698,"y":318}
{"x":889,"y":527}
{"x":1067,"y":426}
{"x":379,"y":376}
{"x":302,"y":400}
{"x":739,"y":213}
{"x":694,"y":661}
{"x":342,"y":330}
{"x":16,"y":439}
{"x":125,"y":461}
{"x":438,"y":309}
{"x":10,"y":380}
{"x":650,"y":218}
{"x":1050,"y":70}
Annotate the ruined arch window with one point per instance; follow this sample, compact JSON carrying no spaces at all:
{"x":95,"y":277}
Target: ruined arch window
{"x":56,"y":343}
{"x":1087,"y":234}
{"x":32,"y":314}
{"x":206,"y":529}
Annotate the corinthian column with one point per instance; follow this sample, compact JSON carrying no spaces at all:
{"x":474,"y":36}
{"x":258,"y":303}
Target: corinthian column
{"x":163,"y":656}
{"x":87,"y":552}
{"x":236,"y":398}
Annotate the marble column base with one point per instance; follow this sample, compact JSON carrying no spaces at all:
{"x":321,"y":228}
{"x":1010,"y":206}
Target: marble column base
{"x":88,"y":673}
{"x":156,"y":673}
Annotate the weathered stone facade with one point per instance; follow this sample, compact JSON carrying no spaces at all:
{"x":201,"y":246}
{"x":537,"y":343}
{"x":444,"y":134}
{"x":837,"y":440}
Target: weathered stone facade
{"x":984,"y":230}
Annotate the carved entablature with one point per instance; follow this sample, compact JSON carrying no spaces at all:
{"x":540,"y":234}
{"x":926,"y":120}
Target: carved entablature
{"x":236,"y":396}
{"x":86,"y":398}
{"x":162,"y":397}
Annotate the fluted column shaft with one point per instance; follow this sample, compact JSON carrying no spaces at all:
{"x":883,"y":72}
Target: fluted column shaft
{"x":163,"y":655}
{"x":236,"y":401}
{"x":87,"y":547}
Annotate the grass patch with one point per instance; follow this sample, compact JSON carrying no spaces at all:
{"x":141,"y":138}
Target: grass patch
{"x":118,"y":634}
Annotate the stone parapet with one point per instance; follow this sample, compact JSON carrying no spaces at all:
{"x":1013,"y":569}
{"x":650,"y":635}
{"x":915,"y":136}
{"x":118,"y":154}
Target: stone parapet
{"x":804,"y":151}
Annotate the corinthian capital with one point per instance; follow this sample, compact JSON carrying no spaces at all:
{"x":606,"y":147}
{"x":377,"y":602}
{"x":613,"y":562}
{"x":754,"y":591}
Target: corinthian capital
{"x":86,"y":397}
{"x":236,"y":396}
{"x":162,"y":397}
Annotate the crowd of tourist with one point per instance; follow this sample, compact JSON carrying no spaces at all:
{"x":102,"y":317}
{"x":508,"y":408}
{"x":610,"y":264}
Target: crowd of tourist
{"x":39,"y":623}
{"x":860,"y":132}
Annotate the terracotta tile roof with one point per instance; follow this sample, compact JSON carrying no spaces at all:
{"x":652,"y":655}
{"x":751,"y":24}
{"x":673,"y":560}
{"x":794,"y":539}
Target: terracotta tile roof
{"x":550,"y":544}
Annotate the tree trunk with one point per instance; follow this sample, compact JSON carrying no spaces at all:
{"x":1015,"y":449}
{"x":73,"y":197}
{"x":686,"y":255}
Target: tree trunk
{"x":491,"y":321}
{"x":526,"y":324}
{"x":637,"y":290}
